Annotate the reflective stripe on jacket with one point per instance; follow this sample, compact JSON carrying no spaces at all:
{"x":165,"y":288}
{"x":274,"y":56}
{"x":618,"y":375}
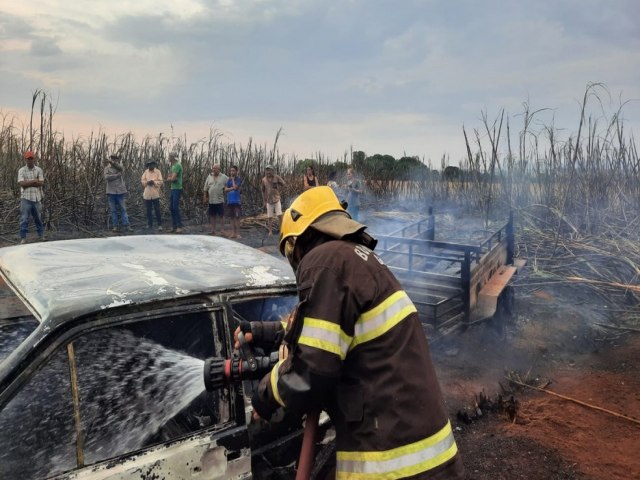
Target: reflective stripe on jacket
{"x":358,"y":350}
{"x":329,"y":336}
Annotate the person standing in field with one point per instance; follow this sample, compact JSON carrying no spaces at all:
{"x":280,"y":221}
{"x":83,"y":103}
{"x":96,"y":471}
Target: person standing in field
{"x":214,"y":188}
{"x":310,"y":180}
{"x":270,"y":186}
{"x":175,"y":179}
{"x":232,"y":188}
{"x":31,"y":180}
{"x":354,"y":189}
{"x":151,"y":182}
{"x":116,"y":193}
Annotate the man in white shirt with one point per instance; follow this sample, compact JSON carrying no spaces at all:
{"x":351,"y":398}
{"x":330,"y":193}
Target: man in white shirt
{"x":152,"y":182}
{"x":214,"y":197}
{"x":31,"y":180}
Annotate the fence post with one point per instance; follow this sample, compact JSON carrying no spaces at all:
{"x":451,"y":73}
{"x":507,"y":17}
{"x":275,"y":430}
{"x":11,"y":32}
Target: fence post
{"x":510,"y":239}
{"x":411,"y":257}
{"x":431,"y":225}
{"x":465,"y":276}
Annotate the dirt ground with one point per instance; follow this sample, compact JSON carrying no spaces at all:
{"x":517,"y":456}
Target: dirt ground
{"x":550,"y":340}
{"x":549,"y":437}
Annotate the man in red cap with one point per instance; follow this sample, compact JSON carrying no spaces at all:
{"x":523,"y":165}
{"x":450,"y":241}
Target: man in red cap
{"x":31,"y":180}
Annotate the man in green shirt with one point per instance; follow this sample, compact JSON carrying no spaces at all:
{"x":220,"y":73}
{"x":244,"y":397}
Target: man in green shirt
{"x":175,"y":179}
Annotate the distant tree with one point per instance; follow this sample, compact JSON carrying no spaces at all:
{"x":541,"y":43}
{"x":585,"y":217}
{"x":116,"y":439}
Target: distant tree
{"x":301,"y":166}
{"x":379,"y":166}
{"x":451,"y":173}
{"x":336,"y":172}
{"x":340,"y":167}
{"x":358,"y":159}
{"x":410,"y":168}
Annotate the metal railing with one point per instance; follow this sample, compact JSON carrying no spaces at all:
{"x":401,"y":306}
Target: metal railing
{"x":427,"y":249}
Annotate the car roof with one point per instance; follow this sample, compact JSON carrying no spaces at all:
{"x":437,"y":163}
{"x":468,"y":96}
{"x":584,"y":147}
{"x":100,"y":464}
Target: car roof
{"x":67,"y":279}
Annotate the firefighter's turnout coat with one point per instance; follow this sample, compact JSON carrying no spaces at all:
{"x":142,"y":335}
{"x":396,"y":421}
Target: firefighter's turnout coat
{"x":358,"y":350}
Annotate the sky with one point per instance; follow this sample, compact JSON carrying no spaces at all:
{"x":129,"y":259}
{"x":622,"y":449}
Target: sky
{"x":396,"y":77}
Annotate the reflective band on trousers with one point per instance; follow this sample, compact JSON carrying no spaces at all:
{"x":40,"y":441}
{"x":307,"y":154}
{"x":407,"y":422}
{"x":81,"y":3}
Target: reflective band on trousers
{"x":399,"y":462}
{"x":328,"y":336}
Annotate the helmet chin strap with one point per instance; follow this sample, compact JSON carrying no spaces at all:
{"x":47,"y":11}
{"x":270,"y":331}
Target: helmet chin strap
{"x":290,"y":252}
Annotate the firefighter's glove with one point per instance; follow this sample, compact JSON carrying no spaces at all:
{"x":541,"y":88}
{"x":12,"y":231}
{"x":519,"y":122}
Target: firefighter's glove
{"x":267,"y":334}
{"x":245,"y":328}
{"x":261,"y":407}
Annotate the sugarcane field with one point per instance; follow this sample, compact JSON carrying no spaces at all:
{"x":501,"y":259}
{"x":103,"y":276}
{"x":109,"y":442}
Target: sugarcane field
{"x":314,"y":240}
{"x":525,"y":282}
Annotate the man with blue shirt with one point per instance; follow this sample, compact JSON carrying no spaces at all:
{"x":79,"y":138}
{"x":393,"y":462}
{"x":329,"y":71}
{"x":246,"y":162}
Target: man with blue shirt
{"x":233,"y":201}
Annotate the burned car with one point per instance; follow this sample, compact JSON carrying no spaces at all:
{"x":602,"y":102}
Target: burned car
{"x":103,"y":344}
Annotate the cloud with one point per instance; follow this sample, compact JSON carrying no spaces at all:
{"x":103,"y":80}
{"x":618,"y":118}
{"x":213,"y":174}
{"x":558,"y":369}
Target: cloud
{"x":44,"y":47}
{"x":372,"y":72}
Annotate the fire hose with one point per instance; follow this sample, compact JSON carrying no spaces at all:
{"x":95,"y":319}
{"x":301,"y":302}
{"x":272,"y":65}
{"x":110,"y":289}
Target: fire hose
{"x":308,"y":450}
{"x":219,"y":372}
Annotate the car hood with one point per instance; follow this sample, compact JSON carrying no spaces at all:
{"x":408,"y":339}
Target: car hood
{"x":66,"y":279}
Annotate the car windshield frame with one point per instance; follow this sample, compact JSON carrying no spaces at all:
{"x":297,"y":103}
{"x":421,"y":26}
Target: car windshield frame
{"x":13,"y":333}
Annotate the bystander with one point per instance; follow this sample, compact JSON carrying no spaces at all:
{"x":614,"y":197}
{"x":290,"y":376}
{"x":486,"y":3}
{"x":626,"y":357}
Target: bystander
{"x":310,"y":180}
{"x":354,"y":190}
{"x":31,"y":180}
{"x":233,"y":201}
{"x":175,"y":178}
{"x":214,"y":187}
{"x":151,"y":182}
{"x":116,"y":193}
{"x":270,"y":186}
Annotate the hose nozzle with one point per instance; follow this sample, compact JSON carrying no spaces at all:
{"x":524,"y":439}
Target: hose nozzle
{"x":219,"y":372}
{"x":214,"y":374}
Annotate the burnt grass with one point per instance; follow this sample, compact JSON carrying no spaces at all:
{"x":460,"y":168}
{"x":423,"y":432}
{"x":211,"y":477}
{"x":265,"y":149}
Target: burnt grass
{"x":489,"y":454}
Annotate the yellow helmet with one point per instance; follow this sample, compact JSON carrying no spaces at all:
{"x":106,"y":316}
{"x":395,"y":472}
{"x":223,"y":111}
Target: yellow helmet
{"x":306,"y":209}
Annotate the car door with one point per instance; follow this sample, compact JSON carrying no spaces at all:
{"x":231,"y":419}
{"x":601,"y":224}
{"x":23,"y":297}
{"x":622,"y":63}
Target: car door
{"x":127,"y":400}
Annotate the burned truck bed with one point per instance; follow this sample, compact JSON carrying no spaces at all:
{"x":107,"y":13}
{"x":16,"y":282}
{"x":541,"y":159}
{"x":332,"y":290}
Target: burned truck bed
{"x":451,"y":284}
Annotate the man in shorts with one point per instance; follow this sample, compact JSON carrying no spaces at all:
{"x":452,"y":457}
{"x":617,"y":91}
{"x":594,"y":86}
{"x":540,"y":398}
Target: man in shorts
{"x":214,"y":196}
{"x":233,"y":201}
{"x":271,"y":186}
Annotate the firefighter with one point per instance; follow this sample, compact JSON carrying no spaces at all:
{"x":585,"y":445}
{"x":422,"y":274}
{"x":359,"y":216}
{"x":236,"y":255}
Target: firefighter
{"x":355,"y":348}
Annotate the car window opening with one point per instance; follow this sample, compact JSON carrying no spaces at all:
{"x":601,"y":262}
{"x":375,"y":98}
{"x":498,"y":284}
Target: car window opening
{"x":138,"y":385}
